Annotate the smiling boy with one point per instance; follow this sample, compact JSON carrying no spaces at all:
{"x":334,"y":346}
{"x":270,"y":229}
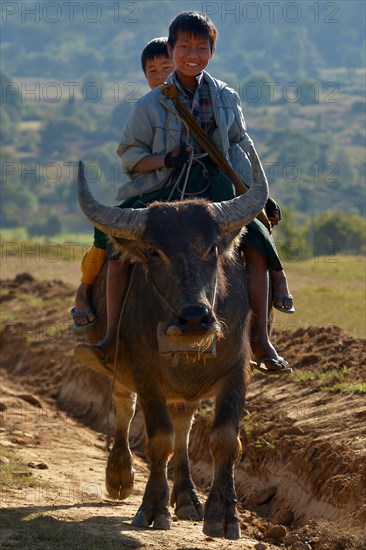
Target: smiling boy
{"x":155,"y":129}
{"x":156,"y":62}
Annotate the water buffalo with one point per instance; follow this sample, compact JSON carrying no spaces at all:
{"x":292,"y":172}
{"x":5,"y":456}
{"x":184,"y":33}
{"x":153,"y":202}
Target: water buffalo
{"x":182,"y":337}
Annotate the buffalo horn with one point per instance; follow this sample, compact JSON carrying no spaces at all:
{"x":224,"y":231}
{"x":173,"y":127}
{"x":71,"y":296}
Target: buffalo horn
{"x":127,"y":223}
{"x":233,"y":214}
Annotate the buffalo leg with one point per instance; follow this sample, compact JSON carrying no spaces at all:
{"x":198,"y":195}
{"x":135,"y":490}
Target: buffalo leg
{"x":220,"y":515}
{"x":119,"y":472}
{"x":184,"y":494}
{"x":159,"y":448}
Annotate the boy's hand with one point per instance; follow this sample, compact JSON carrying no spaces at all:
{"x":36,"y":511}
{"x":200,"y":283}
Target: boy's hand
{"x":273,"y":211}
{"x":177,"y":157}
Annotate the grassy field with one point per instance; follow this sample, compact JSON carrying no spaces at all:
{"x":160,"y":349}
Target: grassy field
{"x":326,"y":290}
{"x":20,"y":234}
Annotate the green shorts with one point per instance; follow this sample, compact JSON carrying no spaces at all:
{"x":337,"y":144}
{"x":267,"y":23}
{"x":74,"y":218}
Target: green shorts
{"x":259,"y":238}
{"x":100,"y":238}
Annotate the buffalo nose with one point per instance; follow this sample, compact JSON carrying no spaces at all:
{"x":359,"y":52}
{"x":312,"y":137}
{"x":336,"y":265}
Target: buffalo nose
{"x":197,"y":314}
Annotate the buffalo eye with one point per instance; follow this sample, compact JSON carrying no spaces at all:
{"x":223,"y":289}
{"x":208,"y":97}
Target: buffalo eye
{"x":213,"y":250}
{"x":153,"y":253}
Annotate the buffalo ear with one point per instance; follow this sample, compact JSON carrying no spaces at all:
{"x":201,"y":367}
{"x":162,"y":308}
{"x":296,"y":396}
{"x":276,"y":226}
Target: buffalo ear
{"x":228,"y":241}
{"x":133,"y":249}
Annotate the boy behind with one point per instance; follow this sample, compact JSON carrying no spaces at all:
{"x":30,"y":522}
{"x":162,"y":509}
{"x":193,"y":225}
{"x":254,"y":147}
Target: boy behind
{"x":156,"y":64}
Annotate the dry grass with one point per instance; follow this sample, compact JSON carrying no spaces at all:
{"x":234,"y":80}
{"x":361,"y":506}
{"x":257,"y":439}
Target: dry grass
{"x":14,"y":475}
{"x":40,"y":268}
{"x":325,"y":292}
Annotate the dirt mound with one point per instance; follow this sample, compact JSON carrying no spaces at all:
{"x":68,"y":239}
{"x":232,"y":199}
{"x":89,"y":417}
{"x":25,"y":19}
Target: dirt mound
{"x":323,"y":349}
{"x":304,"y":436}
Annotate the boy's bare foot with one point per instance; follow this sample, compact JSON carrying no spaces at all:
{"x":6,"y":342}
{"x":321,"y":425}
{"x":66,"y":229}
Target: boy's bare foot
{"x":272,"y":366}
{"x":94,"y":357}
{"x":108,"y":344}
{"x":282,"y":298}
{"x":83,"y":313}
{"x":98,"y":357}
{"x":267,"y":359}
{"x":262,"y":348}
{"x":285,"y":304}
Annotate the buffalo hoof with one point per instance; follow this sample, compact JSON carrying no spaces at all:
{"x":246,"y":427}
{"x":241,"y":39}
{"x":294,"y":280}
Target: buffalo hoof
{"x":233,"y":531}
{"x":187,"y":504}
{"x":160,"y":520}
{"x":189,"y":511}
{"x":119,"y":482}
{"x":218,"y":528}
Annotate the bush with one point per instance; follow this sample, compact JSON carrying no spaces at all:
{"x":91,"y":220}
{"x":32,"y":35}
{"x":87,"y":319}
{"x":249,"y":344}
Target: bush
{"x":17,"y":203}
{"x":337,"y":232}
{"x":48,"y":227}
{"x":59,"y":135}
{"x":358,"y":107}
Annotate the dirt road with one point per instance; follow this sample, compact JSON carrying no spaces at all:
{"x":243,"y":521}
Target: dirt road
{"x":60,"y":495}
{"x":301,"y":481}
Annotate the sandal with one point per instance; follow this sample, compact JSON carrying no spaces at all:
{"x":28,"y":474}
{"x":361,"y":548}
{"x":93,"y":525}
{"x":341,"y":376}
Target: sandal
{"x":269,"y":365}
{"x":282,"y":300}
{"x":94,"y":357}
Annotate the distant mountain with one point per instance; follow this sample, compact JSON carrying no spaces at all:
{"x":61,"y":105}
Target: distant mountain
{"x":71,"y":72}
{"x":70,"y":39}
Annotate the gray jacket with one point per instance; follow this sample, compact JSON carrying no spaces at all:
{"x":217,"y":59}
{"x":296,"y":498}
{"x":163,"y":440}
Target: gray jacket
{"x":154,"y":127}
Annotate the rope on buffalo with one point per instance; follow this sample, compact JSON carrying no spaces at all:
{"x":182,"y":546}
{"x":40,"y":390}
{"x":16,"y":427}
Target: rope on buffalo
{"x":110,"y":398}
{"x":186,"y":167}
{"x":171,"y":92}
{"x":165,"y":301}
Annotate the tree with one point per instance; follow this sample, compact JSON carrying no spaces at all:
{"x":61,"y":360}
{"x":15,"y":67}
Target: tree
{"x":11,"y":109}
{"x":48,"y":227}
{"x":290,"y":240}
{"x":17,"y":202}
{"x":256,"y":90}
{"x":358,"y":107}
{"x":58,"y":135}
{"x":337,"y":232}
{"x":119,"y":117}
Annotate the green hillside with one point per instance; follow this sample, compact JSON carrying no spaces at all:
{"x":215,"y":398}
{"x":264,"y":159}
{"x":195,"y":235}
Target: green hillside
{"x":71,"y":71}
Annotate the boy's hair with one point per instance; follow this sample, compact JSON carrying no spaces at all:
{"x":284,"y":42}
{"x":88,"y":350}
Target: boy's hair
{"x":193,"y":22}
{"x":155,"y":48}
